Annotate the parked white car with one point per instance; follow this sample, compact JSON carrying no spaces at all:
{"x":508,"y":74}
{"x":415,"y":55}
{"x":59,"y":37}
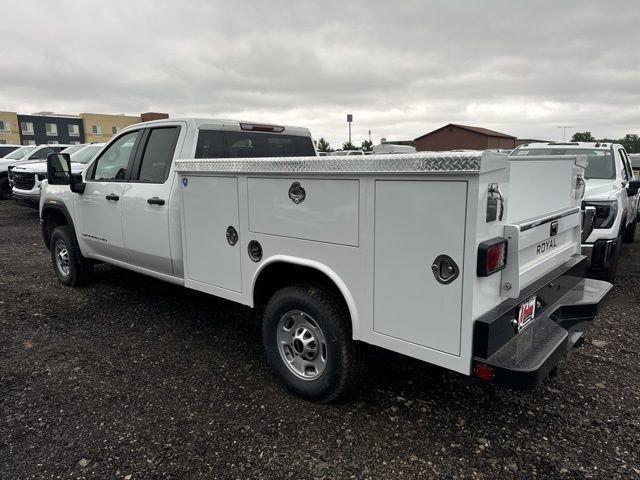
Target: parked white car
{"x":611,"y":189}
{"x":450,"y":258}
{"x":634,"y":158}
{"x":343,"y":153}
{"x":390,"y":148}
{"x":26,"y":177}
{"x":9,"y":159}
{"x":7,"y":148}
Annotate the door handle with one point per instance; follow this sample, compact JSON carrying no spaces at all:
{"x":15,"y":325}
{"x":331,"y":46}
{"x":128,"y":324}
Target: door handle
{"x":112,"y":196}
{"x":155,"y":201}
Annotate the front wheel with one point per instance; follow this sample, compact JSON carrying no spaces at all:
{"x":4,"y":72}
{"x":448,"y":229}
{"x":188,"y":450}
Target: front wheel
{"x":72,"y":269}
{"x":630,"y":232}
{"x":308,"y":343}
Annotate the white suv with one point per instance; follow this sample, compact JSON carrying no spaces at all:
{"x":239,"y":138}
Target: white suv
{"x":611,"y":189}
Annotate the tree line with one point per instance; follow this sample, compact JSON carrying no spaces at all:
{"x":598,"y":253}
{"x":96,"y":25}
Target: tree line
{"x":323,"y":146}
{"x":630,"y":142}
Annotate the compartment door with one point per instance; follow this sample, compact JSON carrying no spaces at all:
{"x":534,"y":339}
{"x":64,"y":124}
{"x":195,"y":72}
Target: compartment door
{"x":415,"y":222}
{"x":210,"y":208}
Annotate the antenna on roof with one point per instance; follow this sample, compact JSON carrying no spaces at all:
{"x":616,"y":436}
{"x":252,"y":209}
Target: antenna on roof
{"x":564,"y":131}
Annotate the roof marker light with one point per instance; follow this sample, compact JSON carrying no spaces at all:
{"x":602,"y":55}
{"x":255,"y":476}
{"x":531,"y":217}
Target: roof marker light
{"x":256,"y":127}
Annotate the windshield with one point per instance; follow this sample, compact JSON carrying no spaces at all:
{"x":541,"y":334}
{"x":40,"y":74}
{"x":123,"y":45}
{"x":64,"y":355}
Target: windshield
{"x":86,"y":154}
{"x":73,"y":148}
{"x":338,"y":153}
{"x":19,"y":153}
{"x":600,"y":163}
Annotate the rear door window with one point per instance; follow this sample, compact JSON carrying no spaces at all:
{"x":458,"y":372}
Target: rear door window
{"x":158,"y":154}
{"x":219,"y":144}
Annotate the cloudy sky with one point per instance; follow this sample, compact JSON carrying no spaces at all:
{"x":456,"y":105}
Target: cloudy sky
{"x":402,"y":68}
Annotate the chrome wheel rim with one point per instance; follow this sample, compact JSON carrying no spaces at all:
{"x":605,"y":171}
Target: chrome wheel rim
{"x":62,"y":257}
{"x":302,"y":345}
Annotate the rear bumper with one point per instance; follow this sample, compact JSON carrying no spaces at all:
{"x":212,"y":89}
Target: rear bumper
{"x":568,"y":306}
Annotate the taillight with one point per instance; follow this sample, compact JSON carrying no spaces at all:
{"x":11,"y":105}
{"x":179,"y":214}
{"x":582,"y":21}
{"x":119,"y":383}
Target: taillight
{"x":492,"y":256}
{"x":254,"y":127}
{"x":483,"y":372}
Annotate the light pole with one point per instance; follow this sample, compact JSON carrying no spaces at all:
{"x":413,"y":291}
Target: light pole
{"x":349,"y":120}
{"x":564,"y":131}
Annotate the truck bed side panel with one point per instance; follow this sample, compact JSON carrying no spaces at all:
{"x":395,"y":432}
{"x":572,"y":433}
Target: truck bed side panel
{"x":210,"y":207}
{"x":327,"y":213}
{"x":410,"y":304}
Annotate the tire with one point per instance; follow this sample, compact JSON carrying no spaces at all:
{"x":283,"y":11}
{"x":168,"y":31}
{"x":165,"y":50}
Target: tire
{"x":5,"y":188}
{"x":630,"y":232}
{"x":308,"y":343}
{"x":71,"y":268}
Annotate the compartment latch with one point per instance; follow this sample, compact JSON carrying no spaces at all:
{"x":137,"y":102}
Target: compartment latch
{"x":445,"y":269}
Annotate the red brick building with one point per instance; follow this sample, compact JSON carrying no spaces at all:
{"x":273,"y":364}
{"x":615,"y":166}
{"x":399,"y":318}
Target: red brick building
{"x":458,"y":137}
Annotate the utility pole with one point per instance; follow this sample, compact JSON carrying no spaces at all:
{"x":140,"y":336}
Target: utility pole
{"x":349,"y":120}
{"x":369,"y":136}
{"x":564,"y":131}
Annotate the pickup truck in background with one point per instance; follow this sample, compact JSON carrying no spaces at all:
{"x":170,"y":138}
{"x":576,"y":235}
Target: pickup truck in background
{"x":468,"y":260}
{"x":611,"y":189}
{"x":26,"y":177}
{"x":23,"y":154}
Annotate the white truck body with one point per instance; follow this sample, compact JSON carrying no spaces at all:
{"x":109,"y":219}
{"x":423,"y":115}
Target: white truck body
{"x":398,"y":236}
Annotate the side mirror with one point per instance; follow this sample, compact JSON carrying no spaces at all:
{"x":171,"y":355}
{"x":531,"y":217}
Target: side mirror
{"x":632,"y":188}
{"x":59,"y":172}
{"x":59,"y":169}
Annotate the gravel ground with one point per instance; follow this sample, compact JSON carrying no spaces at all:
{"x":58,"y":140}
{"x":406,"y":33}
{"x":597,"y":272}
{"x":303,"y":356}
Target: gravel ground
{"x":133,"y":378}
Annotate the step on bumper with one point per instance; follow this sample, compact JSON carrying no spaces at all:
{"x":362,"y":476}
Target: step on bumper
{"x":528,"y":358}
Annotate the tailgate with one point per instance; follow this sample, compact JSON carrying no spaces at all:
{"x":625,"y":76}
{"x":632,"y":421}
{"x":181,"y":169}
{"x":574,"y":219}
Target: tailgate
{"x":539,"y":246}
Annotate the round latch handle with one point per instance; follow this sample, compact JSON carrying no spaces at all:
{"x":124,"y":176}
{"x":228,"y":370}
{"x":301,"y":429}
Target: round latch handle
{"x":232,"y":236}
{"x":297,"y":193}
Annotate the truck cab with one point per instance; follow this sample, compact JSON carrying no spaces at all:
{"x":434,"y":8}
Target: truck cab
{"x":611,"y":188}
{"x":129,"y":212}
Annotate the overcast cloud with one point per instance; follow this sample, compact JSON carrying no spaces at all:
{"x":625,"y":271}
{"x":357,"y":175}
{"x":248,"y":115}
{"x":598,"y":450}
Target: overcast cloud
{"x":402,"y":68}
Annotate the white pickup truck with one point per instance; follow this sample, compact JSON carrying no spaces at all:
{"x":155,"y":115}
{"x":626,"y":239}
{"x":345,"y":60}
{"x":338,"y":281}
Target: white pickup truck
{"x":464,"y":260}
{"x":611,"y":189}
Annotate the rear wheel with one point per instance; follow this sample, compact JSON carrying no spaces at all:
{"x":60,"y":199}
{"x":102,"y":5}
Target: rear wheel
{"x":630,"y":232}
{"x":5,"y":188}
{"x":308,"y":343}
{"x":72,"y":269}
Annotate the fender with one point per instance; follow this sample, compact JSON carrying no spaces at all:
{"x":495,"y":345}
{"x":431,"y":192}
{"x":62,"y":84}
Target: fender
{"x":321,"y":267}
{"x":53,"y":204}
{"x":59,"y":206}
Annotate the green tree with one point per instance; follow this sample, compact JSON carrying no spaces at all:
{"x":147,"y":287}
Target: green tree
{"x":349,"y":146}
{"x":631,"y":143}
{"x":583,"y":137}
{"x":323,"y":145}
{"x":367,"y":145}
